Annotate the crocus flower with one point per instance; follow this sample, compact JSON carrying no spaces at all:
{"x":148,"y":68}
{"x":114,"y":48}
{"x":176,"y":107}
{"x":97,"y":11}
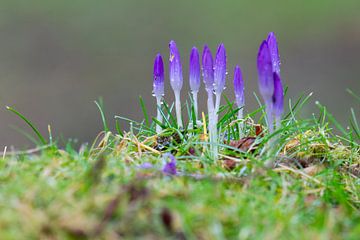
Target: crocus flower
{"x":239,"y":91}
{"x":176,"y":78}
{"x":266,"y":79}
{"x":274,"y":52}
{"x":158,"y":86}
{"x":278,"y":99}
{"x":208,"y":78}
{"x":208,"y":69}
{"x":219,"y":74}
{"x":169,"y":167}
{"x":194,"y":77}
{"x":265,"y":72}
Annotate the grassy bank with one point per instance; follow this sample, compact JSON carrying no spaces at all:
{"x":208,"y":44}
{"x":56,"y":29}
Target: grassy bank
{"x":301,"y":182}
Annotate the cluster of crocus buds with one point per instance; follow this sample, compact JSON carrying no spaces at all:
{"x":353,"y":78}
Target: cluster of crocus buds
{"x":214,"y":78}
{"x":270,"y":86}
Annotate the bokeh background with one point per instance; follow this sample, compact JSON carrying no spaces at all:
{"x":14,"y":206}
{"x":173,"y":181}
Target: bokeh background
{"x":57,"y":57}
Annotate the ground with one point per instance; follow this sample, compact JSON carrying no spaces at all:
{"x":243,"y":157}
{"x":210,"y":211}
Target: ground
{"x":301,"y":182}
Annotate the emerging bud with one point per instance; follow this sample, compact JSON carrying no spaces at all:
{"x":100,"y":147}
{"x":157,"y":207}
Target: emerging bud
{"x":274,"y":52}
{"x":176,"y":77}
{"x":220,"y":69}
{"x":278,"y":97}
{"x":239,"y":87}
{"x":194,"y":70}
{"x":208,"y":69}
{"x":169,"y":168}
{"x":158,"y":84}
{"x":265,"y":72}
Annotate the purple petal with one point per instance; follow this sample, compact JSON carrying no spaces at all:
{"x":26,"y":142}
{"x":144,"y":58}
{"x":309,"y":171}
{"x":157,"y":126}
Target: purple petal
{"x":194,"y":70}
{"x":158,"y":83}
{"x":220,"y":69}
{"x":265,"y":72}
{"x":208,"y":68}
{"x":146,"y":165}
{"x":274,"y":52}
{"x":169,"y":168}
{"x":278,"y":97}
{"x":176,"y":77}
{"x":239,"y":87}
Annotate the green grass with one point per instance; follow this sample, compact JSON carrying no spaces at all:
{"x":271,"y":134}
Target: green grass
{"x":301,"y":182}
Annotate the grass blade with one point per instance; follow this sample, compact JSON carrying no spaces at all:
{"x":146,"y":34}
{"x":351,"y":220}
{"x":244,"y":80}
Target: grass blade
{"x":100,"y":106}
{"x":144,"y":110}
{"x":28,"y":122}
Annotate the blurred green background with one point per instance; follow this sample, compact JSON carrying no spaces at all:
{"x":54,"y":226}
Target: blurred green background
{"x":56,"y":57}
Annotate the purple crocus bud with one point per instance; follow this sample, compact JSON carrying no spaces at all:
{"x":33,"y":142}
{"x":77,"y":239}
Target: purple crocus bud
{"x":278,"y":97}
{"x":208,"y":69}
{"x":146,"y":165}
{"x":239,"y":87}
{"x":176,"y":77}
{"x":158,"y":84}
{"x":220,"y":69}
{"x":265,"y":72}
{"x":169,"y":168}
{"x":194,"y":70}
{"x":274,"y":52}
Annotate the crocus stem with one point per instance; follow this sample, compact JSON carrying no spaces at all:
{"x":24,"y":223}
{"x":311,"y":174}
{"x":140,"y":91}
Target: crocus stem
{"x":217,"y":104}
{"x":240,"y":116}
{"x":278,"y":123}
{"x":178,"y":109}
{"x":269,"y":116}
{"x":212,"y":126}
{"x":158,"y":116}
{"x":195,"y":99}
{"x":240,"y":113}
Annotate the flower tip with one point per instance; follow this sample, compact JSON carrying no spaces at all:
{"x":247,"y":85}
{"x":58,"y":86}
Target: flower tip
{"x":238,"y":86}
{"x":194,"y":70}
{"x":208,"y":68}
{"x":265,"y":71}
{"x":158,"y":74}
{"x":221,"y":47}
{"x":158,"y":66}
{"x":220,"y":68}
{"x":263,"y":47}
{"x":271,"y":35}
{"x":274,"y":52}
{"x":175,"y":68}
{"x":172,"y":43}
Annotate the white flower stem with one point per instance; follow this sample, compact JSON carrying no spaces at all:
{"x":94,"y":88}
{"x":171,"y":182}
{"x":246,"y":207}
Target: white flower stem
{"x":178,"y":109}
{"x":212,"y":126}
{"x":158,"y":115}
{"x":241,"y":125}
{"x":278,"y":122}
{"x":240,"y":113}
{"x":270,"y":118}
{"x":195,"y":99}
{"x":217,"y":104}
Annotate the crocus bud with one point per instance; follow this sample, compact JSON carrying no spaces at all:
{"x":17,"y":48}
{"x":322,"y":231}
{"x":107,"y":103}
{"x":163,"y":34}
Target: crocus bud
{"x":239,"y":87}
{"x":274,"y":52}
{"x":265,"y":72}
{"x":278,"y":97}
{"x":169,"y":167}
{"x":176,"y":77}
{"x":208,"y":69}
{"x":220,"y":69}
{"x":158,"y":84}
{"x":194,"y":70}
